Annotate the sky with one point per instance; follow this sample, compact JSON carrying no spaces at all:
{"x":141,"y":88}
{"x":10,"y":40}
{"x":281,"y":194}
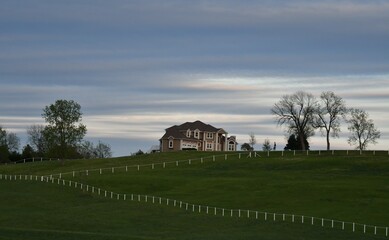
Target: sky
{"x":139,"y":67}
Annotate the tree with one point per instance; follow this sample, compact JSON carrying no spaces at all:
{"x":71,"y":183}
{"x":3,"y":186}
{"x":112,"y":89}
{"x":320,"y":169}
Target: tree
{"x":88,"y":150}
{"x":13,"y":142}
{"x":64,"y":130}
{"x":9,"y":146}
{"x":37,"y":139}
{"x":298,"y":112}
{"x":4,"y":154}
{"x":363,"y":131}
{"x":252,"y":140}
{"x":266,"y":145}
{"x":28,"y":152}
{"x":3,"y":137}
{"x":292,"y":143}
{"x":246,"y":147}
{"x":329,"y":111}
{"x":103,"y":150}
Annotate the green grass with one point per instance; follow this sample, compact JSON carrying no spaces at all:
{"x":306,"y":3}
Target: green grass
{"x":352,"y":188}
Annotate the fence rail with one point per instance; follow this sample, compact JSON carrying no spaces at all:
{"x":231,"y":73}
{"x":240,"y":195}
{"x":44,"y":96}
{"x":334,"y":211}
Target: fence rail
{"x":210,"y":210}
{"x":282,"y":153}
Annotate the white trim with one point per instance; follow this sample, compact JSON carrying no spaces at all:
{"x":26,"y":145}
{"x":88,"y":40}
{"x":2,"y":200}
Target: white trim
{"x":209,"y":135}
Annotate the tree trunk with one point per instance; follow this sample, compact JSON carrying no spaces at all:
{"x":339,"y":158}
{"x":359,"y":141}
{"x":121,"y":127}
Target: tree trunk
{"x":328,"y":140}
{"x":301,"y":136}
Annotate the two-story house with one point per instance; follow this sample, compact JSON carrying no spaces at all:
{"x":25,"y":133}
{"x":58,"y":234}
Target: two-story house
{"x":196,"y":136}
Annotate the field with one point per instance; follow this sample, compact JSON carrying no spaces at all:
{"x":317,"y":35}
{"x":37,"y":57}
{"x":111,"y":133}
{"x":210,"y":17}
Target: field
{"x":276,"y":195}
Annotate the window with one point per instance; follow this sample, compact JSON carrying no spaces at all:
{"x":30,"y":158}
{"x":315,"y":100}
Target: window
{"x":188,"y":133}
{"x":210,"y":135}
{"x":196,"y":134}
{"x":231,"y":146}
{"x":170,"y":143}
{"x":209,"y":145}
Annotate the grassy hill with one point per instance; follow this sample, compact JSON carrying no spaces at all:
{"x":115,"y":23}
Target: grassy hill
{"x":343,"y":186}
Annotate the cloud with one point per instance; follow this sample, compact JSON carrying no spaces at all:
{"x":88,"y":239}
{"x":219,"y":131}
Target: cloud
{"x":137,"y":67}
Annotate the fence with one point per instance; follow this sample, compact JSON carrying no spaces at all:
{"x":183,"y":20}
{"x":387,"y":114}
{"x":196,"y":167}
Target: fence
{"x":210,"y":210}
{"x":254,"y":154}
{"x":213,"y":158}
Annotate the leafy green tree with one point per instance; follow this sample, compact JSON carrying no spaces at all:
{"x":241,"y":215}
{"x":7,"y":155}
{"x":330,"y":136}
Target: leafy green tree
{"x":28,"y":152}
{"x":246,"y":147}
{"x":297,"y":111}
{"x":64,"y":130}
{"x":363,"y":131}
{"x":292,"y":143}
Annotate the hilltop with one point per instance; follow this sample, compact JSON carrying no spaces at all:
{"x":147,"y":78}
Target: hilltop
{"x":344,"y":186}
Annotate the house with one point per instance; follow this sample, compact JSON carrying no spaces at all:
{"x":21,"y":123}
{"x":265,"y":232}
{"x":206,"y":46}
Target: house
{"x":196,"y":136}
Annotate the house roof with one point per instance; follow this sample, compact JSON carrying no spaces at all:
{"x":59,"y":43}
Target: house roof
{"x":180,"y":130}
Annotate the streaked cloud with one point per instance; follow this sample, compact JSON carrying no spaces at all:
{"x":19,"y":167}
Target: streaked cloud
{"x":138,"y":67}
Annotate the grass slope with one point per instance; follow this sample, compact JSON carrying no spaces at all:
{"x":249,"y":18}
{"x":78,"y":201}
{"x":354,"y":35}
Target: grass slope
{"x":350,"y":187}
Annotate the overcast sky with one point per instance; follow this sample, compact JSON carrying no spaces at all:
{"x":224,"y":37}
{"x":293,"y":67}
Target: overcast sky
{"x":139,"y":67}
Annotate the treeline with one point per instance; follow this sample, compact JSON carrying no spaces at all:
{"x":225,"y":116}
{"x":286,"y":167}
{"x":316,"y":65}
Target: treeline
{"x":61,"y":137}
{"x":302,"y":114}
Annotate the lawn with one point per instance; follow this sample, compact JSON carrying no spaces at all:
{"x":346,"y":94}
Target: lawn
{"x":341,"y":186}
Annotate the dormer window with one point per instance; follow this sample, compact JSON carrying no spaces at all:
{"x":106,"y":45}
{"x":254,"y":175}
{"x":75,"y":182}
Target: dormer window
{"x":188,"y":133}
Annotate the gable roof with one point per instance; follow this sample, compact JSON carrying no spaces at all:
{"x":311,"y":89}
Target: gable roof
{"x":180,"y":130}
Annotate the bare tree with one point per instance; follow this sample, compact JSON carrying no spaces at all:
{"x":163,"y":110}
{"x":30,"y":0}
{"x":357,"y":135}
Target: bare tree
{"x":298,"y":112}
{"x":36,"y":139}
{"x":103,"y":150}
{"x":330,"y":109}
{"x":363,"y":131}
{"x":252,"y":140}
{"x":13,"y":142}
{"x":88,"y":150}
{"x":266,"y":145}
